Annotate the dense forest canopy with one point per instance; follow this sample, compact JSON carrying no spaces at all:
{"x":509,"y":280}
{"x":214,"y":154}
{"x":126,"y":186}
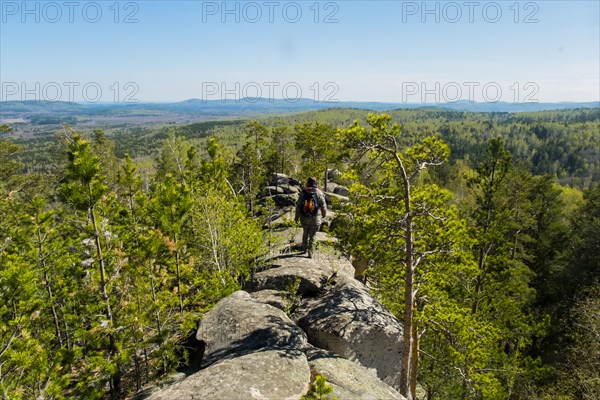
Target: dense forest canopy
{"x":563,"y":144}
{"x":480,"y":232}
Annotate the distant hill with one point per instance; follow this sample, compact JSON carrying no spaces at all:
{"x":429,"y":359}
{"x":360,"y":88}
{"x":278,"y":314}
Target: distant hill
{"x":248,"y":107}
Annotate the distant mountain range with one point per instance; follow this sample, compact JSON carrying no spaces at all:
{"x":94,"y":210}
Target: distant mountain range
{"x":11,"y":110}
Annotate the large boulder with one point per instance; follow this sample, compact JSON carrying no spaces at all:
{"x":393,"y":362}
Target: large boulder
{"x":335,"y":198}
{"x":348,"y":379}
{"x":342,"y":190}
{"x":311,"y":274}
{"x":350,"y":322}
{"x":290,"y":189}
{"x":277,"y":298}
{"x":279,"y":179}
{"x":282,"y":179}
{"x":281,"y":189}
{"x":330,"y":187}
{"x":283,"y":200}
{"x":265,"y":375}
{"x":273,"y":190}
{"x":240,"y":325}
{"x":330,"y":263}
{"x":280,"y":217}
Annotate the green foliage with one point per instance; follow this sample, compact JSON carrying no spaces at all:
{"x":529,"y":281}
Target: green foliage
{"x":399,"y":226}
{"x":107,"y":263}
{"x":316,"y":143}
{"x":8,"y":165}
{"x":319,"y":390}
{"x":100,"y":290}
{"x":582,"y":364}
{"x":251,"y":167}
{"x":281,"y":156}
{"x":83,"y":184}
{"x":586,"y":241}
{"x":291,"y":296}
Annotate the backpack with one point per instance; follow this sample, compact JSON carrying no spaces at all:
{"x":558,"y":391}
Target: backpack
{"x":310,"y":203}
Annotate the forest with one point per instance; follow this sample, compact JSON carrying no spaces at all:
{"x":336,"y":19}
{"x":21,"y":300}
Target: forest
{"x":480,"y":232}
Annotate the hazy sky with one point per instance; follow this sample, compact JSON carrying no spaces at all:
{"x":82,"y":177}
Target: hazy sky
{"x":398,"y":51}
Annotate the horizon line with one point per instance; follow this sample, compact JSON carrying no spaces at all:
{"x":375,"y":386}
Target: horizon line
{"x":252,"y":100}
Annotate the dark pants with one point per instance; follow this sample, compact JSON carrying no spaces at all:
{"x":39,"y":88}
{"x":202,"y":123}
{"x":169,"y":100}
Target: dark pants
{"x":310,"y":227}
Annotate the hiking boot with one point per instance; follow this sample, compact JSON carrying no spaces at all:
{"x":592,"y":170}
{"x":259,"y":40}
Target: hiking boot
{"x":310,"y":254}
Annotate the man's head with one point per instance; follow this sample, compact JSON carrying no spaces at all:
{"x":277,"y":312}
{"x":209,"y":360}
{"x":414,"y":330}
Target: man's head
{"x":311,"y":182}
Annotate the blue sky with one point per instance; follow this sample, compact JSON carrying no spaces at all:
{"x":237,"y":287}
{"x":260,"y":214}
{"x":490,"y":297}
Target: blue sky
{"x":397,"y":51}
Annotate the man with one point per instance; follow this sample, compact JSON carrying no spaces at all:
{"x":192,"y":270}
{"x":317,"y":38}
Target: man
{"x":310,"y":207}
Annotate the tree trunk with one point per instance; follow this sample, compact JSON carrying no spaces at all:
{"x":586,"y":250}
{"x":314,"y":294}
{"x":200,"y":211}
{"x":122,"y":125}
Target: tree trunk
{"x":115,"y":379}
{"x":414,"y":367}
{"x":178,"y":272}
{"x":325,"y":184}
{"x":409,"y":300}
{"x":101,"y":262}
{"x":48,"y":287}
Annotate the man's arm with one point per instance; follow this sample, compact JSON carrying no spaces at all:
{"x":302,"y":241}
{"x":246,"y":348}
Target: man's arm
{"x":323,"y":204}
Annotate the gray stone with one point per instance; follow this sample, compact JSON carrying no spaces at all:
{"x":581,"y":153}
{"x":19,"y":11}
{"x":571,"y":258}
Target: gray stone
{"x":290,"y":189}
{"x":348,"y":379}
{"x":349,"y":321}
{"x":281,"y":217}
{"x":330,"y":263}
{"x":320,"y":238}
{"x":330,"y":187}
{"x":266,"y":375}
{"x":279,"y":179}
{"x":283,"y":200}
{"x":286,"y":269}
{"x":239,"y":325}
{"x":342,"y":191}
{"x":335,"y":198}
{"x":333,"y":174}
{"x":273,"y":190}
{"x":276,"y":298}
{"x":281,"y":189}
{"x":339,"y":265}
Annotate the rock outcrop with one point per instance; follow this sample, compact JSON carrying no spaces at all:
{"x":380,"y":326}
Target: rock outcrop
{"x":240,"y":325}
{"x":350,"y":322}
{"x":283,"y":200}
{"x":312,"y":274}
{"x":268,"y":374}
{"x":342,"y":191}
{"x":349,"y":381}
{"x":332,"y":198}
{"x":252,"y":349}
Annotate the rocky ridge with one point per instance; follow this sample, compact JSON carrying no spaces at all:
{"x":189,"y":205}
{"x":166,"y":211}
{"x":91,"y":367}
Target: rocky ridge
{"x":295,"y":319}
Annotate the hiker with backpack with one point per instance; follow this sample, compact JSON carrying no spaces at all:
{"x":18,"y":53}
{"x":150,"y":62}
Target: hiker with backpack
{"x":310,"y":207}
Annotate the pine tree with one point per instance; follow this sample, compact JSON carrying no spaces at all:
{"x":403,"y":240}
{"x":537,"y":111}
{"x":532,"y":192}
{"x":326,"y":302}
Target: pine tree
{"x":251,"y":167}
{"x":503,"y":297}
{"x":393,"y":210}
{"x":316,"y":144}
{"x":83,"y":188}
